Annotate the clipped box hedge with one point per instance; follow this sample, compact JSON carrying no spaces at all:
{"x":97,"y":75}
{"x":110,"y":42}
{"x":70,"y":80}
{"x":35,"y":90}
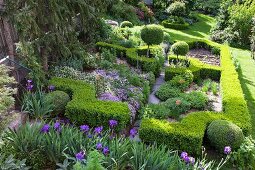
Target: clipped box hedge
{"x":198,"y":68}
{"x":188,"y":134}
{"x":136,"y":56}
{"x":85,"y":108}
{"x":175,"y":26}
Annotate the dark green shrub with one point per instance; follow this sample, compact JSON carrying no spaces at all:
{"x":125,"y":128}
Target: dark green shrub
{"x":223,"y":133}
{"x":180,"y":48}
{"x":152,"y":35}
{"x":197,"y":99}
{"x":167,"y":91}
{"x":59,"y":100}
{"x":176,"y":26}
{"x":177,"y":8}
{"x":126,"y":24}
{"x":177,"y":105}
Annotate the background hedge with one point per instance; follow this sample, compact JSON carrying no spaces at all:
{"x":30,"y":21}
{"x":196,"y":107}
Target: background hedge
{"x":188,"y":134}
{"x":175,"y":26}
{"x":85,"y":108}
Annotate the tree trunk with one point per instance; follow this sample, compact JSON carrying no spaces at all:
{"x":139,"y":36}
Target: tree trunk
{"x":148,"y":51}
{"x":8,"y":39}
{"x":44,"y":58}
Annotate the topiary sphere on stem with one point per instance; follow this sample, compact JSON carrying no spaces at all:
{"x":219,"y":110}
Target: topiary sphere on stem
{"x":180,"y":48}
{"x":152,"y":35}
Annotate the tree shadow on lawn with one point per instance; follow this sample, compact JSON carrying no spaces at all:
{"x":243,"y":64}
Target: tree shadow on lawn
{"x":248,"y":96}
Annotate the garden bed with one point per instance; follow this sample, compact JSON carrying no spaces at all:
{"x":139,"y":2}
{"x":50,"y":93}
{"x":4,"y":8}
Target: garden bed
{"x":204,"y":55}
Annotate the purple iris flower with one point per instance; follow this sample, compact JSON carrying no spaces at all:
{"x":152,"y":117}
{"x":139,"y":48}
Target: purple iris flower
{"x":80,"y":156}
{"x":30,"y":87}
{"x":99,"y":146}
{"x":113,"y":123}
{"x":192,"y":160}
{"x":186,"y":159}
{"x":184,"y":154}
{"x":84,"y":128}
{"x":98,"y":130}
{"x":45,"y":128}
{"x":227,"y":150}
{"x":29,"y":81}
{"x":57,"y":126}
{"x":106,"y":150}
{"x":51,"y":87}
{"x":133,"y":132}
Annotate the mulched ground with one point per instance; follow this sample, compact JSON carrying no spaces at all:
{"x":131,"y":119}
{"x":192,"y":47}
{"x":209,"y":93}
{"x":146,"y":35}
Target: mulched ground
{"x":205,"y":56}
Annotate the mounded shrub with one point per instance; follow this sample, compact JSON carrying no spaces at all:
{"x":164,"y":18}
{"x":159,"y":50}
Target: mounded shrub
{"x":197,"y":99}
{"x":126,"y":24}
{"x":223,"y":133}
{"x":59,"y":100}
{"x":167,"y":91}
{"x":167,"y":38}
{"x":177,"y":8}
{"x":177,"y":105}
{"x":180,"y":48}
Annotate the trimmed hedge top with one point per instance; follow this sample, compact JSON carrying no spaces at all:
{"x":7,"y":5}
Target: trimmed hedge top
{"x":188,"y":134}
{"x":85,"y":108}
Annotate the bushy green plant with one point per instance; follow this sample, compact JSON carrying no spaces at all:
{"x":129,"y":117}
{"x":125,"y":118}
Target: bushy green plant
{"x":158,"y":111}
{"x":6,"y":99}
{"x":36,"y":104}
{"x":166,"y":91}
{"x":59,"y":100}
{"x":223,"y":133}
{"x":244,"y":157}
{"x":167,"y":38}
{"x":152,"y":35}
{"x":181,"y":82}
{"x":126,"y":24}
{"x":178,"y":9}
{"x":109,"y":55}
{"x":10,"y":163}
{"x":180,"y":48}
{"x":94,"y":161}
{"x":124,"y":12}
{"x":177,"y":105}
{"x":198,"y":100}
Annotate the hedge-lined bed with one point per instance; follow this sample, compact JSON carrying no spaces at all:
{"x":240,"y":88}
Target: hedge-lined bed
{"x":168,"y":24}
{"x":188,"y":134}
{"x":85,"y":108}
{"x":136,"y":56}
{"x":198,"y":68}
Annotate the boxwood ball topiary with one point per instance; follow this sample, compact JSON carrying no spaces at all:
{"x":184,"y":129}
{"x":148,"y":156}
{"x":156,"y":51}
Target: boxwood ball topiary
{"x":223,"y":133}
{"x":180,"y":48}
{"x":126,"y":24}
{"x":177,"y":9}
{"x":152,"y":35}
{"x":59,"y":100}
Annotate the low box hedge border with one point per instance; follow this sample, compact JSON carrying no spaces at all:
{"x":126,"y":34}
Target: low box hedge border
{"x":85,"y":108}
{"x":175,"y":26}
{"x":188,"y":134}
{"x":198,"y":68}
{"x":136,"y":56}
